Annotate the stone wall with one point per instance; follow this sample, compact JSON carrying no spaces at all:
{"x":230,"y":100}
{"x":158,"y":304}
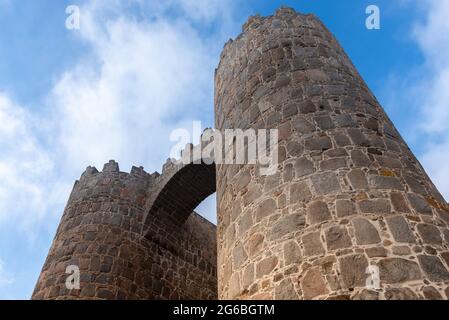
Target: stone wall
{"x":349,"y":193}
{"x":102,"y":232}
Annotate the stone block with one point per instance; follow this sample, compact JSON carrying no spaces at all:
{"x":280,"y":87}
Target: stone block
{"x":337,"y":238}
{"x":303,"y":126}
{"x":324,"y":123}
{"x":430,"y":293}
{"x":399,"y":203}
{"x":360,"y":159}
{"x":400,"y":229}
{"x":433,"y":268}
{"x":307,"y":107}
{"x":304,"y":167}
{"x":389,"y":183}
{"x":419,"y":204}
{"x":358,"y":179}
{"x":318,"y":212}
{"x":285,"y":290}
{"x":429,"y":234}
{"x":266,"y":209}
{"x":358,"y":138}
{"x":396,"y":270}
{"x":353,"y":270}
{"x":312,"y":244}
{"x":292,"y":253}
{"x":313,"y":284}
{"x":318,"y":143}
{"x":365,"y":232}
{"x":287,"y":224}
{"x":326,"y":183}
{"x":265,"y":266}
{"x":400,"y":294}
{"x":300,"y":192}
{"x":381,"y":206}
{"x":333,"y":164}
{"x":345,"y":208}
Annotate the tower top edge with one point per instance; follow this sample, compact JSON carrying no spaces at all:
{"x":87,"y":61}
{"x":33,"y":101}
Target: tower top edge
{"x":282,"y":14}
{"x":113,"y":167}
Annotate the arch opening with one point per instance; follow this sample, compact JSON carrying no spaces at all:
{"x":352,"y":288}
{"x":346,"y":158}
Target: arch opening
{"x":208,"y":208}
{"x":176,"y":195}
{"x":181,"y":238}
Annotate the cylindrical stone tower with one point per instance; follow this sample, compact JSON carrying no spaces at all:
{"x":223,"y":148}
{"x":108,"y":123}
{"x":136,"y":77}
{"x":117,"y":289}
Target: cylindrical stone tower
{"x":99,"y":234}
{"x":348,"y":193}
{"x":103,"y":234}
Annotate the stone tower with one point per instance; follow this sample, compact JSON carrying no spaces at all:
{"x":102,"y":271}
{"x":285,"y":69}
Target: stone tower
{"x":348,"y":194}
{"x":349,"y":202}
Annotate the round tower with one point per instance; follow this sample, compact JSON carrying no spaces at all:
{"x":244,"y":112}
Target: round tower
{"x":111,"y":239}
{"x":349,"y":204}
{"x":99,"y":234}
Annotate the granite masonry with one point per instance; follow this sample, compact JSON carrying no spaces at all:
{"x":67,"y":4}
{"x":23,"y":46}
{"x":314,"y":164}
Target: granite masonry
{"x":348,"y":196}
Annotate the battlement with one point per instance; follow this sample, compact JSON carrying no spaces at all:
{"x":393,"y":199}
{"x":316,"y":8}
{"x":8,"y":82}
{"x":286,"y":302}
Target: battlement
{"x":146,"y":190}
{"x":113,"y":167}
{"x":190,"y":155}
{"x":284,"y":17}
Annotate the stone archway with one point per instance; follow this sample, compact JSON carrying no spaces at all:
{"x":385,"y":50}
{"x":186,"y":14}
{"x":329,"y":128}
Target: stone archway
{"x":177,"y":192}
{"x":179,"y":233}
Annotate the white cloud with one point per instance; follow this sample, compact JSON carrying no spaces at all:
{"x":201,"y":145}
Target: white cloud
{"x":5,"y":277}
{"x":141,"y":80}
{"x":435,"y":161}
{"x":432,"y":35}
{"x":24,"y":166}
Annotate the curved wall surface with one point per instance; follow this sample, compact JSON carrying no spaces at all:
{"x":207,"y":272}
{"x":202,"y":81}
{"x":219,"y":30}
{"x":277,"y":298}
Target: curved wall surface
{"x":348,"y":192}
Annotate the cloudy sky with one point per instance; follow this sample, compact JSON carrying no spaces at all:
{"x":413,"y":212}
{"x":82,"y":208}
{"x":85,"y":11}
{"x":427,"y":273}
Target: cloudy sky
{"x":138,"y":69}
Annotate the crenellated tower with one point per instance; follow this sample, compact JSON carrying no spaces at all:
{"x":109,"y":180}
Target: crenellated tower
{"x":123,"y":251}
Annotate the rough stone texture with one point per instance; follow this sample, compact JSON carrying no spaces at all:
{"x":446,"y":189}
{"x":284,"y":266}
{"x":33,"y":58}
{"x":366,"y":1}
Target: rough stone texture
{"x":400,"y":294}
{"x":433,"y":268}
{"x":345,"y":170}
{"x":313,"y":284}
{"x":312,"y":244}
{"x":430,"y":234}
{"x":430,"y":293}
{"x":337,"y":238}
{"x":125,"y":250}
{"x":353,"y":271}
{"x":365,"y":232}
{"x":286,"y":290}
{"x":348,"y":194}
{"x":400,"y":229}
{"x":394,"y":270}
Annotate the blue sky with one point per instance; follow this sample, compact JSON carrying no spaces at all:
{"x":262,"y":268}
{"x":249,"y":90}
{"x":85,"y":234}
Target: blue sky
{"x":136,"y":70}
